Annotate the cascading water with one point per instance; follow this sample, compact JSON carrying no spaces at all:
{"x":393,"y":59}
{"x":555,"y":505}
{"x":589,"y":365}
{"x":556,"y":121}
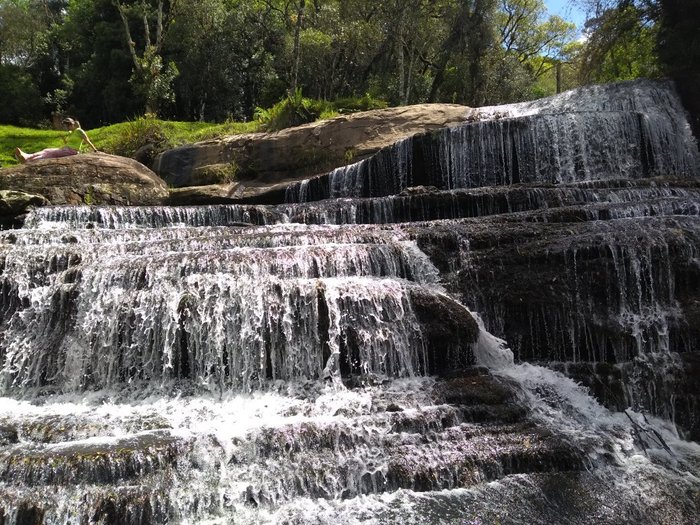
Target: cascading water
{"x":611,"y":135}
{"x":148,"y":385}
{"x":224,"y":313}
{"x":172,"y":365}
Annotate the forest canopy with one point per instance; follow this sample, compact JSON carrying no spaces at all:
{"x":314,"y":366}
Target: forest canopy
{"x":106,"y":61}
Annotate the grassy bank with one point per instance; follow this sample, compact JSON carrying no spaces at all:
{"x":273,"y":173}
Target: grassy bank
{"x":120,"y":139}
{"x":127,"y":137}
{"x":27,"y":139}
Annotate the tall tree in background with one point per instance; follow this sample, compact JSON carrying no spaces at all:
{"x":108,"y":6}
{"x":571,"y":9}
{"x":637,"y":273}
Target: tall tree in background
{"x":151,"y":77}
{"x":296,"y":54}
{"x":22,"y":31}
{"x":621,"y":42}
{"x":95,"y":65}
{"x":530,"y":47}
{"x":537,"y":41}
{"x":26,"y":57}
{"x":224,"y":50}
{"x":293,"y":13}
{"x":470,"y":36}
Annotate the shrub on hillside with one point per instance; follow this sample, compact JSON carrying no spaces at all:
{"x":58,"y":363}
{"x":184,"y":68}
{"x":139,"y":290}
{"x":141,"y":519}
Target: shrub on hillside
{"x":294,"y":110}
{"x":144,"y":132}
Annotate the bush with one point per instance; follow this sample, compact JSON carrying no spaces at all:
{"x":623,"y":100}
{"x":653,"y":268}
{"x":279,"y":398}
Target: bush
{"x":293,"y":110}
{"x":144,"y":131}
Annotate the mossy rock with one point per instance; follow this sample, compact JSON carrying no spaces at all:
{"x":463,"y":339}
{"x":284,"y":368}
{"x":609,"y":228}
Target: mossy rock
{"x":13,"y":203}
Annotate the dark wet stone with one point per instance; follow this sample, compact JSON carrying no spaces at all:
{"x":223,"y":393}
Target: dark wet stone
{"x":474,"y":390}
{"x":8,"y":434}
{"x":28,"y":514}
{"x":449,"y":331}
{"x":89,"y":462}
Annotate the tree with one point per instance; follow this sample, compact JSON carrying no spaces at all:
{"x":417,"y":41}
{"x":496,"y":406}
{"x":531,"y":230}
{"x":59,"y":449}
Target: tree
{"x":22,"y":30}
{"x":470,"y":35}
{"x":93,"y":64}
{"x":296,"y":57}
{"x":224,"y":51}
{"x":20,"y":102}
{"x":151,"y":77}
{"x":621,"y":44}
{"x":536,"y":41}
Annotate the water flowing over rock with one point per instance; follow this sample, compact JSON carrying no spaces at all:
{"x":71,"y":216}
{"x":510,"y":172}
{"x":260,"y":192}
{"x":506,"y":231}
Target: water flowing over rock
{"x":319,"y":361}
{"x":607,"y":134}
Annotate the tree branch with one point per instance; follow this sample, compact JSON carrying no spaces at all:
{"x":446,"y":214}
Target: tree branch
{"x":129,"y":40}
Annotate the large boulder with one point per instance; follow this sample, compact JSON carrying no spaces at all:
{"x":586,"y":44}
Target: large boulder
{"x":242,"y":164}
{"x":95,"y":178}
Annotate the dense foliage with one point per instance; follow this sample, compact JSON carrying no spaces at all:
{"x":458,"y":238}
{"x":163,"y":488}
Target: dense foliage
{"x":645,"y":38}
{"x":107,"y":61}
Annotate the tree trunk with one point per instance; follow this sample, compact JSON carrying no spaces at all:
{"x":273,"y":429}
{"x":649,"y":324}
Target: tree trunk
{"x":297,"y":51}
{"x":454,"y":41}
{"x":558,"y":72}
{"x":409,"y":76}
{"x":400,"y":56}
{"x":129,"y":41}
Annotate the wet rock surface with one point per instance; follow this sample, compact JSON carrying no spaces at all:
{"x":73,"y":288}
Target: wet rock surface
{"x":455,"y":433}
{"x":615,"y":294}
{"x":14,"y":206}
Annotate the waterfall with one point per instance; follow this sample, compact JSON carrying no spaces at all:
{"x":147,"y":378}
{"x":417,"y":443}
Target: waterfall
{"x":322,"y":361}
{"x":203,"y":366}
{"x":149,"y":217}
{"x":227,"y":313}
{"x":631,"y":199}
{"x":616,"y":133}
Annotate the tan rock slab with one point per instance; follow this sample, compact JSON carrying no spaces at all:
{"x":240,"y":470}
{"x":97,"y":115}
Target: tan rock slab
{"x":94,"y":178}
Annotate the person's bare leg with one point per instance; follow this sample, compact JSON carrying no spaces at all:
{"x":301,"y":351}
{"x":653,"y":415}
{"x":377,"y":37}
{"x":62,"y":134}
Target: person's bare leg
{"x":48,"y":153}
{"x":20,"y":155}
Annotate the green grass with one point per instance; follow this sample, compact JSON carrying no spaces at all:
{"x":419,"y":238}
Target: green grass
{"x":26,"y":139}
{"x":126,"y":138}
{"x":121,"y":139}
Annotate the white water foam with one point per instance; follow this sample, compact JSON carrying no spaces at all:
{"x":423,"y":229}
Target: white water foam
{"x":630,"y":438}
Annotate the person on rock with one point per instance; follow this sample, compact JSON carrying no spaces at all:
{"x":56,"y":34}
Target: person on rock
{"x":54,"y":153}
